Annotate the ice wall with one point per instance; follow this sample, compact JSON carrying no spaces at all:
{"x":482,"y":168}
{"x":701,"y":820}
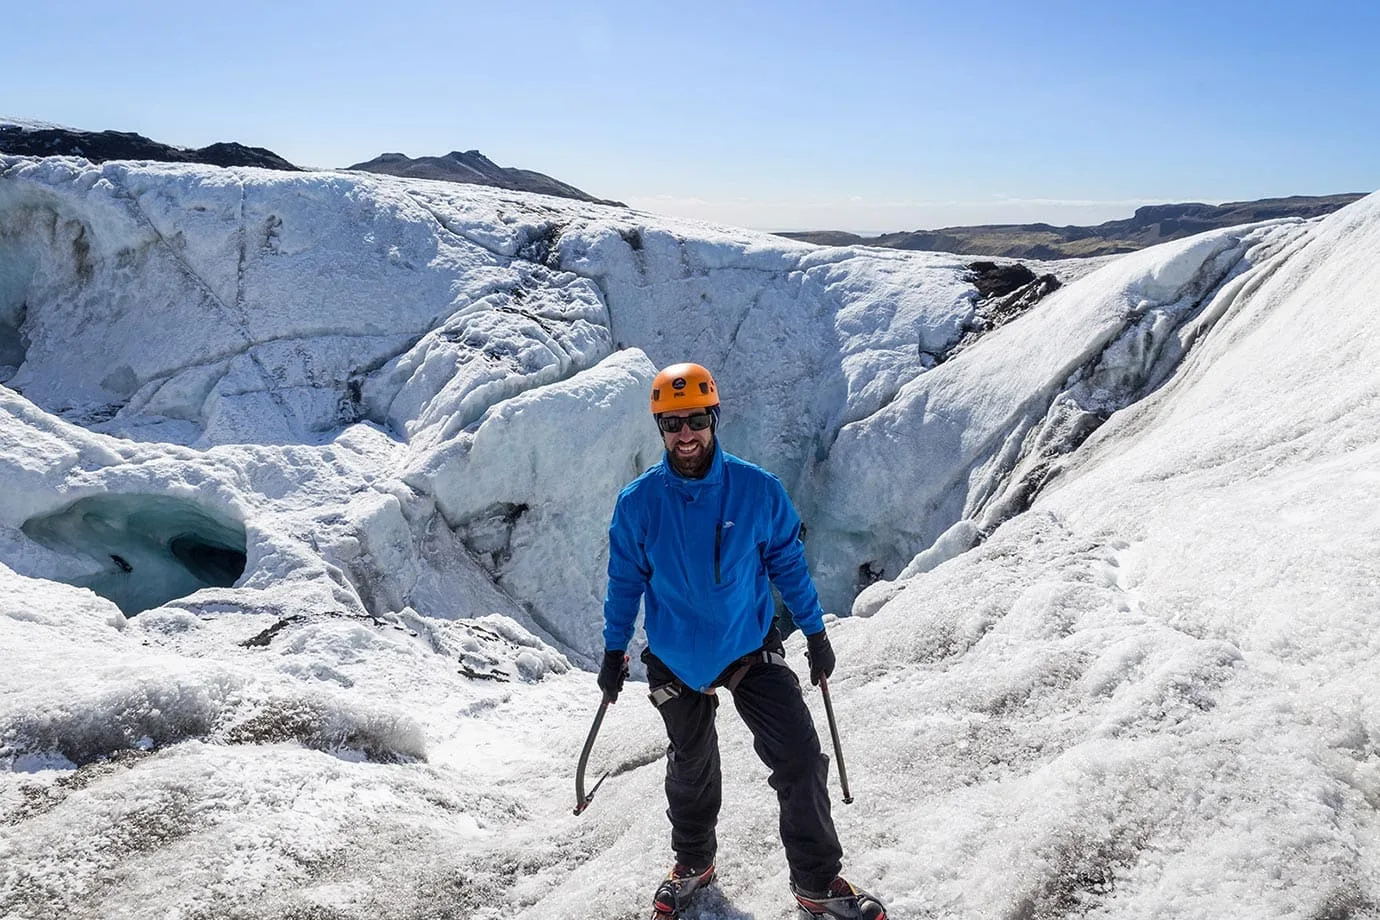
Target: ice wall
{"x":214,"y":308}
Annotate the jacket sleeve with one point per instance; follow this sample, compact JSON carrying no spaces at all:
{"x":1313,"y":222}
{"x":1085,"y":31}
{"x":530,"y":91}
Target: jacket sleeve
{"x":785,"y":558}
{"x":628,"y":575}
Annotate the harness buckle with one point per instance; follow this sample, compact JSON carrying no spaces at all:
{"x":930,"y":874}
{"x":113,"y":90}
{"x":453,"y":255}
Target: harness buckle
{"x":765,"y":656}
{"x":662,"y":695}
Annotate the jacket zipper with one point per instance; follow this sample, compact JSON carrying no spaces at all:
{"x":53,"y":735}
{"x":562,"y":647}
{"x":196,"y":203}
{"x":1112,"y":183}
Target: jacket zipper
{"x":718,"y":546}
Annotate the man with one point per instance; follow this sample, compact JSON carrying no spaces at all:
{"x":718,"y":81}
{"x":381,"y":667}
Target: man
{"x":699,"y":540}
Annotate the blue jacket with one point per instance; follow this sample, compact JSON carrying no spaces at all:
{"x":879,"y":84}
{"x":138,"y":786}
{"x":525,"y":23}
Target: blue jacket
{"x":701,"y":554}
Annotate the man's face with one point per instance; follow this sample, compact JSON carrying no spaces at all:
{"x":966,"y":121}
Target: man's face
{"x":691,"y":451}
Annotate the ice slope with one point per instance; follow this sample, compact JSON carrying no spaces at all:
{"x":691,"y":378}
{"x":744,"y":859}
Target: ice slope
{"x":985,"y":430}
{"x":419,"y":401}
{"x":1152,"y":694}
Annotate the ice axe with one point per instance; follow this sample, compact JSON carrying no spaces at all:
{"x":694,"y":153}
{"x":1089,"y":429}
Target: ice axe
{"x":834,"y":732}
{"x":581,"y":799}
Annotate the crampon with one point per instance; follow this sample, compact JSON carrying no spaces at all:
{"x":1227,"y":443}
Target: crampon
{"x":841,"y":901}
{"x":674,"y":893}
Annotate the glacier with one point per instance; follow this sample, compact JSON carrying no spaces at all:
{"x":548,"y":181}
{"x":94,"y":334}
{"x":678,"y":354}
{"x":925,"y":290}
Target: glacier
{"x":302,"y":545}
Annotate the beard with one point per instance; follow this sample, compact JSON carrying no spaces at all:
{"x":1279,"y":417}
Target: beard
{"x":695,"y":466}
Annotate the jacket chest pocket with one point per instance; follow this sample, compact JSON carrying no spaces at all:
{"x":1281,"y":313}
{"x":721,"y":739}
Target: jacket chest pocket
{"x":736,"y":553}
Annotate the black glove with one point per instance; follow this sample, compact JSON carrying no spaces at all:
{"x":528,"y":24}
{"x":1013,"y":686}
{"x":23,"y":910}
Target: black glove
{"x":612,"y":673}
{"x":821,"y":655}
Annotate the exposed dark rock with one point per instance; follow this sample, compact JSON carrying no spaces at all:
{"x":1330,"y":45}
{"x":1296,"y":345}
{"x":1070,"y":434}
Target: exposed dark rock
{"x":472,"y":674}
{"x":1004,"y":293}
{"x":1149,"y":226}
{"x":993,"y":280}
{"x":868,"y":573}
{"x":1001,"y":310}
{"x":1007,"y":291}
{"x":100,"y":146}
{"x":476,"y":169}
{"x":262,"y":639}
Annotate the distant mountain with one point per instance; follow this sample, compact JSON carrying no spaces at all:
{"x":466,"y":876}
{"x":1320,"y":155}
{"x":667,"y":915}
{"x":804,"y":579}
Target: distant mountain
{"x":35,"y":139}
{"x":476,"y":169}
{"x":41,"y":139}
{"x":1150,"y":225}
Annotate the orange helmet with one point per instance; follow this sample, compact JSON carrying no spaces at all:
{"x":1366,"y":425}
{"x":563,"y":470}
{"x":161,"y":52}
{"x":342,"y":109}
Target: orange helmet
{"x":683,"y":386}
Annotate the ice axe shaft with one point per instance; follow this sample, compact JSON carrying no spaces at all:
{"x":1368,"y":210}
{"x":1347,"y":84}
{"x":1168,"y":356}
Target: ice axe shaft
{"x":834,"y":733}
{"x":581,"y":799}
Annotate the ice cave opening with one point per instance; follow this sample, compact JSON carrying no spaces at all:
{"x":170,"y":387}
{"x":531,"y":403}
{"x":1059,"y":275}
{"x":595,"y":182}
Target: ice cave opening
{"x":148,"y":549}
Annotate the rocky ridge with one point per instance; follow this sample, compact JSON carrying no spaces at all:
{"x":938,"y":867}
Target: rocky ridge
{"x":34,"y":140}
{"x":40,"y":139}
{"x":474,"y":168}
{"x":1149,"y":226}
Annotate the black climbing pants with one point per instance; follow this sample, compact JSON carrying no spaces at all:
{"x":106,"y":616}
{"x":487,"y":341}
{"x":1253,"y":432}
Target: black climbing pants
{"x":768,"y":698}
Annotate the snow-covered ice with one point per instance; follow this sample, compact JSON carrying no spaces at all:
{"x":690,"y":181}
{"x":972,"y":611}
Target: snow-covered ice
{"x":347,"y":446}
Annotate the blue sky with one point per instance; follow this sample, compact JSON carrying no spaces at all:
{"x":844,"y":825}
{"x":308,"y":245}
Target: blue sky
{"x":870,"y":116}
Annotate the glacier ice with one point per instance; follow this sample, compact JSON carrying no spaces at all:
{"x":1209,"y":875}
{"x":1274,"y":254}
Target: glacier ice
{"x":1149,"y":694}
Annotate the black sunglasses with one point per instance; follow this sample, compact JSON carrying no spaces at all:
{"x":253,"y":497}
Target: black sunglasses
{"x":670,"y":424}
